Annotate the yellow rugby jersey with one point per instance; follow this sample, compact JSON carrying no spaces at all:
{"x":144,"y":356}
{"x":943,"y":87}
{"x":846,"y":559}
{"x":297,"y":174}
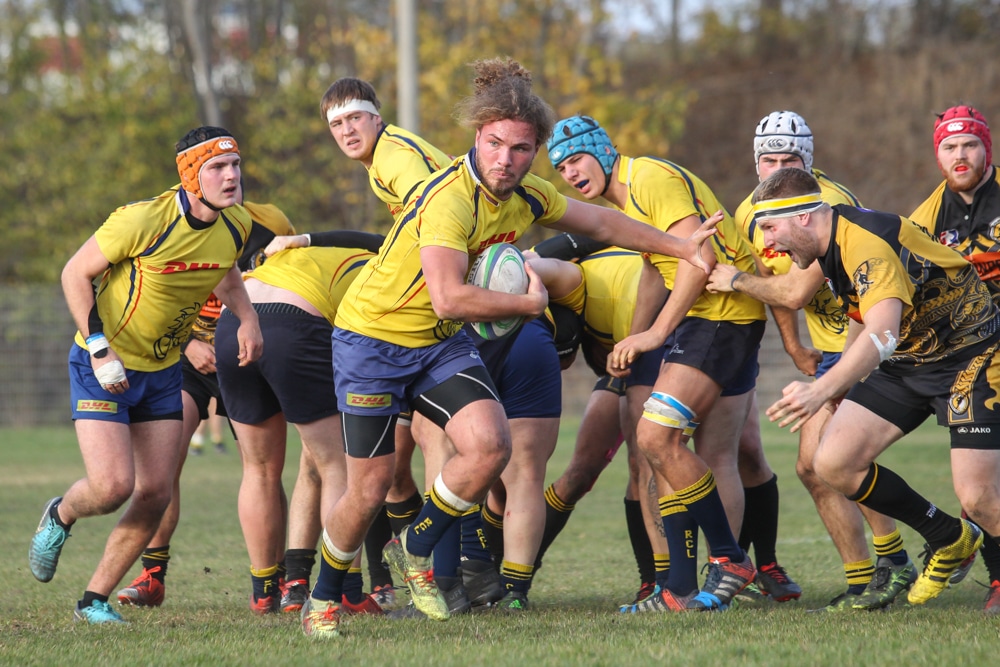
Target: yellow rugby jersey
{"x":606,"y":297}
{"x":659,"y":194}
{"x":389,"y":300}
{"x":825,"y":320}
{"x":319,"y":275}
{"x":400,"y":161}
{"x":268,"y":221}
{"x":162,"y":272}
{"x":874,"y":256}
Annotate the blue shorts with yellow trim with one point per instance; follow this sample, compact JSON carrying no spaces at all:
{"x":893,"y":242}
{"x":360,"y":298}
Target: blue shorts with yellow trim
{"x":376,"y":378}
{"x":151,"y":395}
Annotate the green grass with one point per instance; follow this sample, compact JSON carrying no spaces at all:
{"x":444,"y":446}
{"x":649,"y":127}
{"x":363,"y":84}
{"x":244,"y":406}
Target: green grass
{"x":588,"y":571}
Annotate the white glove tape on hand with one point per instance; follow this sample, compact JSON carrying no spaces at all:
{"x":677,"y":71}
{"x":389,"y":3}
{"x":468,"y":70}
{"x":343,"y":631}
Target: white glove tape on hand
{"x":888,"y":349}
{"x":112,"y":373}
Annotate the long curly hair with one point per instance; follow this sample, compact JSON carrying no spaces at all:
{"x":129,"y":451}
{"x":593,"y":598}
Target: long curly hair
{"x":502,"y":91}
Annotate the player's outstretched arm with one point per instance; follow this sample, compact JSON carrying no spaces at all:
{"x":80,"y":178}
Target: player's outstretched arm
{"x":875,"y":344}
{"x":614,"y":227}
{"x":790,"y":290}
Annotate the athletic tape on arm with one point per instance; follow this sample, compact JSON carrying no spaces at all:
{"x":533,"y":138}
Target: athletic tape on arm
{"x":885,"y":350}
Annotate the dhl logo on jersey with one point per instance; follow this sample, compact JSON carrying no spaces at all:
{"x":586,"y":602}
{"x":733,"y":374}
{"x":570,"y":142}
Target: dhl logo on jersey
{"x":178,"y":267}
{"x":369,"y":400}
{"x":502,"y":237}
{"x":771,"y":253}
{"x":110,"y":407}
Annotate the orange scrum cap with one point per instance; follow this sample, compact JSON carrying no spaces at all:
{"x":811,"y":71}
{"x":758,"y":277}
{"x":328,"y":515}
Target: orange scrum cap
{"x":191,"y":160}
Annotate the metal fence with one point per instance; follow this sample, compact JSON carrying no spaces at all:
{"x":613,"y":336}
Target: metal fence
{"x":36,"y":332}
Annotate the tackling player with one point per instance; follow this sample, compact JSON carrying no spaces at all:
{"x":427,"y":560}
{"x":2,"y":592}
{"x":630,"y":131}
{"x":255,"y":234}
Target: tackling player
{"x":783,"y":139}
{"x":927,"y":336}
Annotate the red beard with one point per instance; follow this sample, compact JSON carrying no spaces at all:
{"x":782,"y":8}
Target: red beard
{"x":967,"y":180}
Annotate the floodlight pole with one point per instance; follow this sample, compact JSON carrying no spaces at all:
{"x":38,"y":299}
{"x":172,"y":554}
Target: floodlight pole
{"x":406,"y":65}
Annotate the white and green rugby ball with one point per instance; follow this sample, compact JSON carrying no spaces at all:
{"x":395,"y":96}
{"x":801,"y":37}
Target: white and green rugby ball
{"x":499,"y":268}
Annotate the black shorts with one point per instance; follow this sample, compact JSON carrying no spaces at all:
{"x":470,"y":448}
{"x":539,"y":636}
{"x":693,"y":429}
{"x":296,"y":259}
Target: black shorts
{"x":610,"y":383}
{"x":646,"y":368}
{"x":725,"y":352}
{"x":964,"y":394}
{"x":293,"y":376}
{"x":202,"y":388}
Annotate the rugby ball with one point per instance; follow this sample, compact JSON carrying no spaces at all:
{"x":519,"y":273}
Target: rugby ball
{"x":499,"y":268}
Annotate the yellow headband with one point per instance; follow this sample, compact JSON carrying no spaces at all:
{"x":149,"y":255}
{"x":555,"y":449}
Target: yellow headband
{"x":190,"y":162}
{"x":787,"y":207}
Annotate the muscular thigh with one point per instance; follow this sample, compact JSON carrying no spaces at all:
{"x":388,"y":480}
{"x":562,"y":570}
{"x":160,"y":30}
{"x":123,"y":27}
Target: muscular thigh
{"x":855,"y":436}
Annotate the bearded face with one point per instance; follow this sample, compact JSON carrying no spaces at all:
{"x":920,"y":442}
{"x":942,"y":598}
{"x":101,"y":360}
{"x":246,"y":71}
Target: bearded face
{"x":962,"y":161}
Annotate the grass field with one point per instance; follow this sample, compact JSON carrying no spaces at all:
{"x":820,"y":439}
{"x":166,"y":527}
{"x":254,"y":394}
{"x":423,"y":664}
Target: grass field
{"x":588,"y":571}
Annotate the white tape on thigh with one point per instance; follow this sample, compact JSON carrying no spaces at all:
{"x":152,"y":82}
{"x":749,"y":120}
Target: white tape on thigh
{"x":888,"y":349}
{"x":111,"y":373}
{"x":666,"y":410}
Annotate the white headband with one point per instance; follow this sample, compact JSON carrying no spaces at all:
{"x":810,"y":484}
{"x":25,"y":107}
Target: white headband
{"x":351,"y":105}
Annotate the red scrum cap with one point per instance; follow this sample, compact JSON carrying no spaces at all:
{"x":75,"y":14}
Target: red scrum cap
{"x":963,"y":120}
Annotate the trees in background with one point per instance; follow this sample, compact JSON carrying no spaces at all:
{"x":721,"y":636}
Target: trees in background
{"x":96,"y":92}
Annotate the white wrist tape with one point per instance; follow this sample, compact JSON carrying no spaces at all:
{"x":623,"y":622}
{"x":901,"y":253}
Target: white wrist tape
{"x":112,"y":373}
{"x":96,"y":343}
{"x":888,"y":349}
{"x":309,"y":239}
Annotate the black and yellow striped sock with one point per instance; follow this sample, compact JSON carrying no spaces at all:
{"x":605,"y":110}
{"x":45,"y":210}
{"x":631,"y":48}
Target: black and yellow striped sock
{"x":859,"y":574}
{"x":884,"y":491}
{"x":516,"y":577}
{"x":493,"y":529}
{"x":557,"y":513}
{"x":402,"y":513}
{"x":354,"y":586}
{"x":442,"y":509}
{"x":642,"y":550}
{"x":704,"y":504}
{"x":265,"y":582}
{"x":333,"y":567}
{"x":890,"y":546}
{"x":681,"y":532}
{"x":156,"y":557}
{"x":661,"y":565}
{"x":475,"y":545}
